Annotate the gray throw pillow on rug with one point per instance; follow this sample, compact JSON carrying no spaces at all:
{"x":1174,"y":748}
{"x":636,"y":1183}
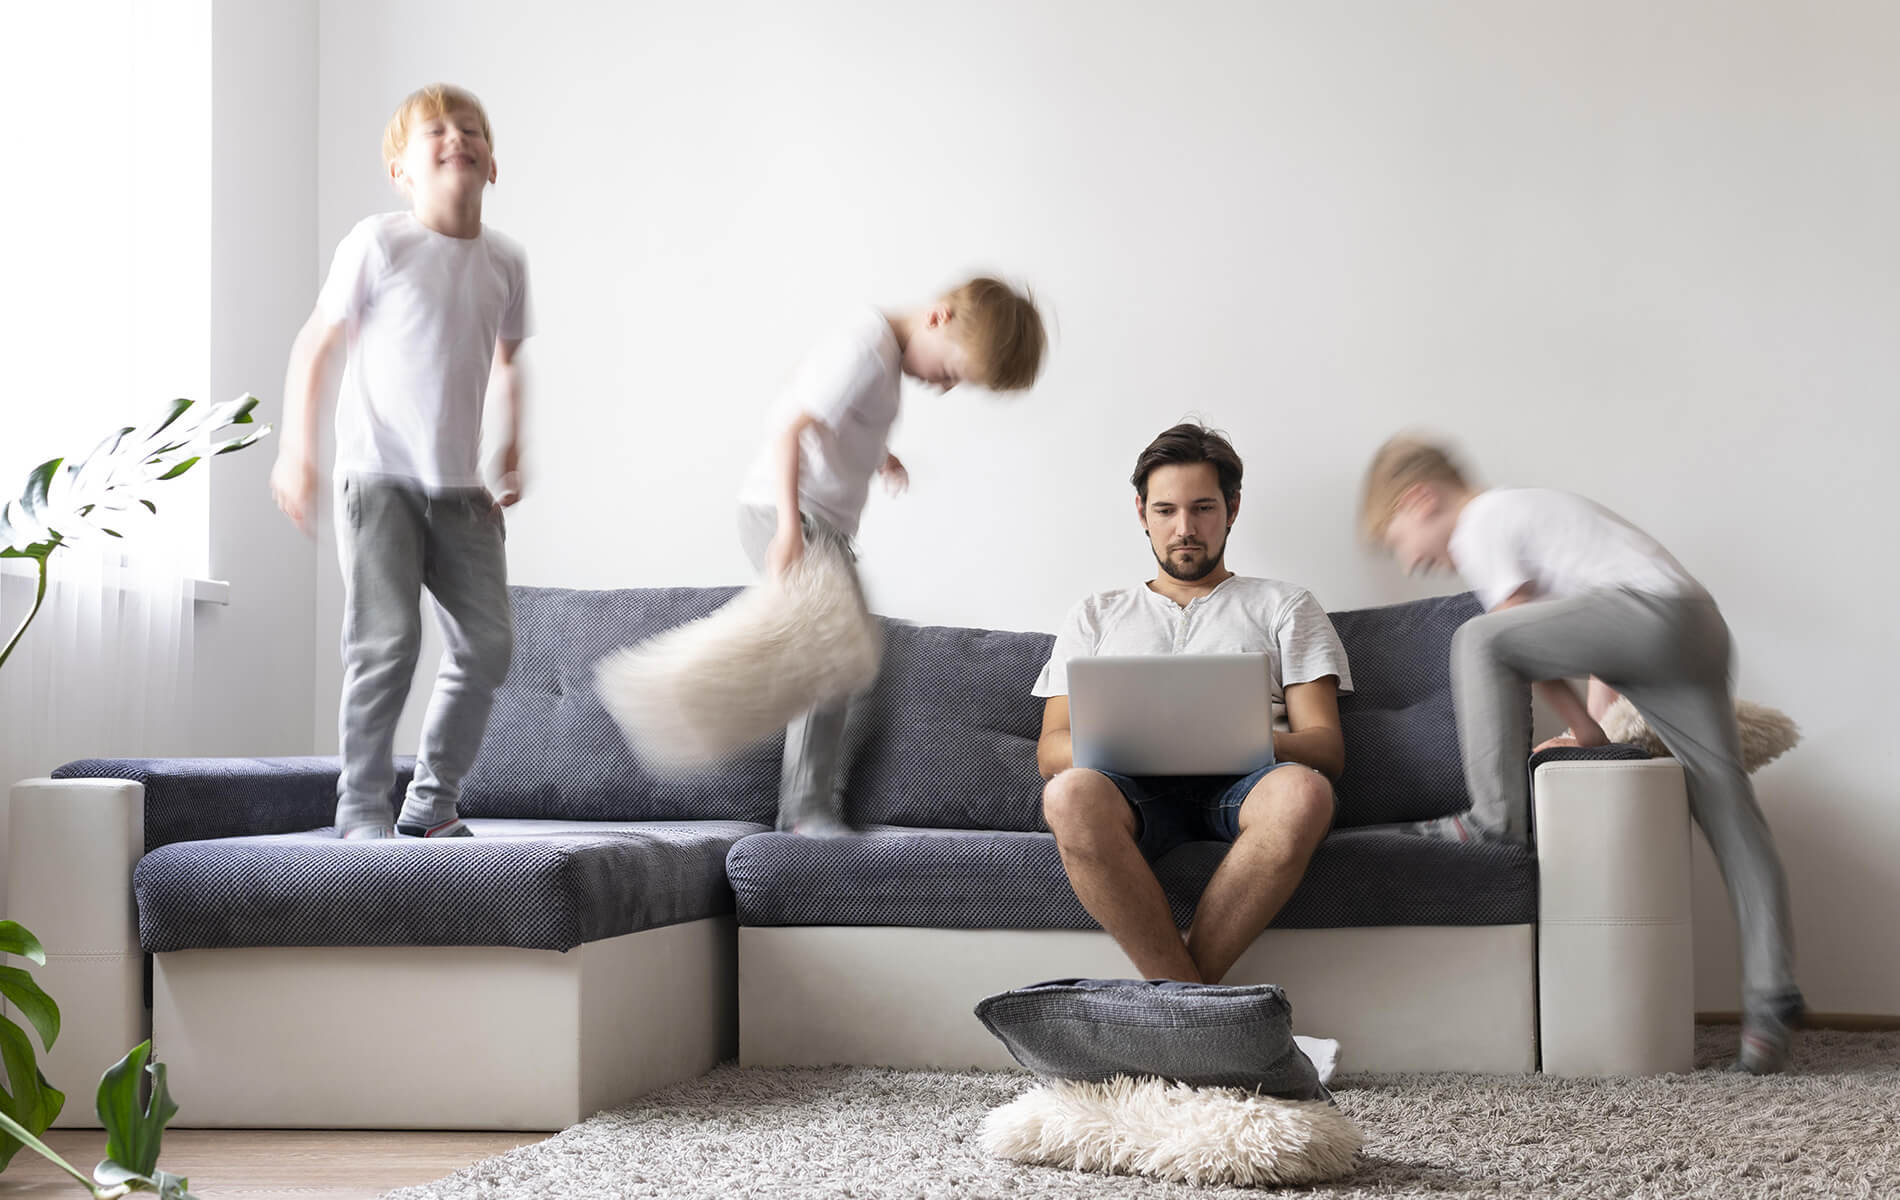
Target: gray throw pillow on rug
{"x":1206,"y":1035}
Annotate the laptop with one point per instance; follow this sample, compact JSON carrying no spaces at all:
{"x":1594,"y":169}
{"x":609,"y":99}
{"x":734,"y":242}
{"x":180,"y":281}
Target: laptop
{"x":1171,"y":714}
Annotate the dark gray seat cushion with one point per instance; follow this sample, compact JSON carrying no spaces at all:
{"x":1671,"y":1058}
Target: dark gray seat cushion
{"x":541,"y":885}
{"x":954,"y":879}
{"x":1203,"y":1035}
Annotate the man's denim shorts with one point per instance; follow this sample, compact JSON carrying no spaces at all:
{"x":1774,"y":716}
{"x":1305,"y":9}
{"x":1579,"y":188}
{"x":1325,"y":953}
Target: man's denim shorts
{"x":1174,"y":809}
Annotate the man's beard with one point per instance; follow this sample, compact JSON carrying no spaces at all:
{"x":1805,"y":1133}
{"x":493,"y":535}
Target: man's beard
{"x":1194,"y":574}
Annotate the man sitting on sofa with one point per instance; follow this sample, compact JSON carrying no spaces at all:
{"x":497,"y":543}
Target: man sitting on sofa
{"x":1110,"y":827}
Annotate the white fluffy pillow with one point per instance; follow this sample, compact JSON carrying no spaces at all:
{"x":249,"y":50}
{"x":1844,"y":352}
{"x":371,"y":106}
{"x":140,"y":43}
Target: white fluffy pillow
{"x":1201,"y":1136}
{"x":1767,"y":733}
{"x":696,"y":695}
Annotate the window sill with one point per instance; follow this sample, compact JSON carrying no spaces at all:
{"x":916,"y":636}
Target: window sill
{"x":203,"y":591}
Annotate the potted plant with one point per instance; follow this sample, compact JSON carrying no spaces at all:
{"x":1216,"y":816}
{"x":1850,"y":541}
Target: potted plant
{"x":69,"y":500}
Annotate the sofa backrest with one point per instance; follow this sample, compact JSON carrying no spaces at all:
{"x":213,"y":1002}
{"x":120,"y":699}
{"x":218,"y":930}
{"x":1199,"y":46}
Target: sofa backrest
{"x":552,"y":751}
{"x":1402,"y":758}
{"x":946,"y":738}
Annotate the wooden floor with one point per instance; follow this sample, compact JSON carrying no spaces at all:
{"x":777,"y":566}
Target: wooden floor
{"x":231,"y":1164}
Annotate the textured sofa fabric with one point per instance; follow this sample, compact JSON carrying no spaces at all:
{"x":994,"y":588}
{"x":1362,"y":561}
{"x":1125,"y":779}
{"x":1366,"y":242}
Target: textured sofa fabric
{"x":945,"y":752}
{"x":942,"y":762}
{"x":553,"y":753}
{"x":964,"y":879}
{"x":189,"y":798}
{"x":1402,"y":757}
{"x":539,"y":885}
{"x":946,"y":738}
{"x":1203,"y":1035}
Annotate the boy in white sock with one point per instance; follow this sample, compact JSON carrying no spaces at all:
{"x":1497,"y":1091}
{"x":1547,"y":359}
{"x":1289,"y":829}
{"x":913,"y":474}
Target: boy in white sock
{"x":431,"y":305}
{"x":832,"y":428}
{"x":1573,"y":590}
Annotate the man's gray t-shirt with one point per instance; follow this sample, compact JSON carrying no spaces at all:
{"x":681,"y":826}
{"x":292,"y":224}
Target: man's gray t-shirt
{"x":1241,"y":616}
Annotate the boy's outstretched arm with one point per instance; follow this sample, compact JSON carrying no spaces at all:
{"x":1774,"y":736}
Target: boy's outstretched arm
{"x":293,"y":478}
{"x":788,"y":545}
{"x":508,"y":385}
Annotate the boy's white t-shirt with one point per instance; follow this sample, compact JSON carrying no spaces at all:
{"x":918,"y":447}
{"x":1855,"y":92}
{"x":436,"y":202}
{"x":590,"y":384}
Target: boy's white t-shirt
{"x":424,"y":311}
{"x":1243,"y":615}
{"x":1562,"y":545}
{"x":850,"y":384}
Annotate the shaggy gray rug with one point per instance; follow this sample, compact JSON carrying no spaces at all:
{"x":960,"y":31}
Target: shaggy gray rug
{"x":1830,"y":1129}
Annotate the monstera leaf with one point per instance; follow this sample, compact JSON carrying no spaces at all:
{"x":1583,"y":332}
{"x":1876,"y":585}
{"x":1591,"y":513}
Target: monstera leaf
{"x":28,"y":1100}
{"x":134,"y":1127}
{"x":76,"y":500}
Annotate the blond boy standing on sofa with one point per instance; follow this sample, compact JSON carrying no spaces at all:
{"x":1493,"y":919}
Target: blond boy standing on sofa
{"x":432,"y":306}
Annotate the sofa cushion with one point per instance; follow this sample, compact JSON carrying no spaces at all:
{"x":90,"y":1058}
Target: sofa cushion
{"x":946,"y":738}
{"x":553,"y":752}
{"x":955,"y":879}
{"x":541,"y":885}
{"x":1401,"y":733}
{"x":189,"y":799}
{"x":1203,"y":1035}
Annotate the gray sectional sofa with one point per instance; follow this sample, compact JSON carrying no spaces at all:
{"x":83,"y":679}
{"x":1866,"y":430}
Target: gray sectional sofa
{"x":611,"y":930}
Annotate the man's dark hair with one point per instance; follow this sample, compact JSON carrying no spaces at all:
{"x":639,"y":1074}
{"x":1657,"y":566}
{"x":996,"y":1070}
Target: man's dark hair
{"x":1190,"y":442}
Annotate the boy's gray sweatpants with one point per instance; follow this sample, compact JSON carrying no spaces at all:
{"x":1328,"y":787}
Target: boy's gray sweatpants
{"x":1671,"y":656}
{"x":394,"y":539}
{"x":814,"y":741}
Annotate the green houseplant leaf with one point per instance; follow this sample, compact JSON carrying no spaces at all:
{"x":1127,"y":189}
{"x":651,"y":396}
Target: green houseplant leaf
{"x":133,"y":1129}
{"x":34,"y":1004}
{"x":17,"y":940}
{"x":68,"y":500}
{"x":31,"y":1102}
{"x":27,"y":1100}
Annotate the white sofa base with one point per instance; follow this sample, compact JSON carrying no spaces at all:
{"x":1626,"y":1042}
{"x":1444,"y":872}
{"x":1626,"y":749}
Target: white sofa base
{"x":1616,"y":952}
{"x":72,"y":844}
{"x":1423,"y":998}
{"x":333,"y":1037}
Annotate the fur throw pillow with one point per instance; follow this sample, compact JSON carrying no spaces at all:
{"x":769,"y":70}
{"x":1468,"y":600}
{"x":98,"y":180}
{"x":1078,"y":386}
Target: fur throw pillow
{"x":1204,"y":1136}
{"x":696,"y":695}
{"x":1767,"y":733}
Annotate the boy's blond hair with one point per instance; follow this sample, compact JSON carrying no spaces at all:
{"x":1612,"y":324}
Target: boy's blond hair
{"x":426,"y":104}
{"x":1401,"y":463}
{"x":1000,"y":330}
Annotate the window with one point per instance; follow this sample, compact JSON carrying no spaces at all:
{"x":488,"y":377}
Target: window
{"x":106,"y":198}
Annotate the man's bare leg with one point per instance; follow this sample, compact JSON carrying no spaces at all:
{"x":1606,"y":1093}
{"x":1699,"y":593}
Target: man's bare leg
{"x":1095,"y":830}
{"x":1282,"y":821}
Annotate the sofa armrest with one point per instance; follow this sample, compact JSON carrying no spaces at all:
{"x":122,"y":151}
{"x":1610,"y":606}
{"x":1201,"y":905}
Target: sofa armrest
{"x":1615,"y":962}
{"x":190,"y":799}
{"x":71,"y":846}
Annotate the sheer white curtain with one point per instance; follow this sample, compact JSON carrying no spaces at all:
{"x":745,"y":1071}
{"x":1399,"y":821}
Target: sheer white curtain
{"x":105,"y":668}
{"x":106,"y":313}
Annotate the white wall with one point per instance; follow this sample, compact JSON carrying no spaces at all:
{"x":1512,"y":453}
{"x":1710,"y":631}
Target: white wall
{"x":1644,"y":252}
{"x":256,"y":656}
